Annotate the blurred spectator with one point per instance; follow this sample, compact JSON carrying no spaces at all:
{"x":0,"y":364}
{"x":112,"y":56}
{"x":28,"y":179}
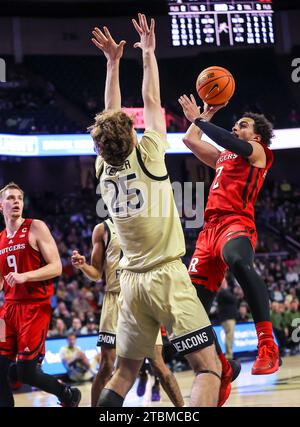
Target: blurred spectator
{"x":80,"y":304}
{"x":62,"y":312}
{"x":243,"y":314}
{"x":278,"y":322}
{"x":291,"y":276}
{"x":72,"y":292}
{"x":227,"y":314}
{"x":29,"y":107}
{"x":61,"y":291}
{"x":277,"y":295}
{"x":91,"y":328}
{"x":76,"y":327}
{"x":239,"y":293}
{"x":60,"y":329}
{"x":285,"y":186}
{"x":75,"y":361}
{"x":289,"y":297}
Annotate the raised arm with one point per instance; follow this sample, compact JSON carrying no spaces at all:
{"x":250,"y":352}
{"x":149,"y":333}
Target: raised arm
{"x":205,"y":151}
{"x":113,"y":53}
{"x":94,"y":270}
{"x":153,"y":116}
{"x":249,"y":149}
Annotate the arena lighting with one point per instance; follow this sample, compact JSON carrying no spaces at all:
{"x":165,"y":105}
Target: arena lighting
{"x":82,"y":144}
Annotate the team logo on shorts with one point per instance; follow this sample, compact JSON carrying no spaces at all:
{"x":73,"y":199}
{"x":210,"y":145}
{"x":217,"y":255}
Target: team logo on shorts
{"x":106,"y":339}
{"x":193,"y":264}
{"x":194,"y":341}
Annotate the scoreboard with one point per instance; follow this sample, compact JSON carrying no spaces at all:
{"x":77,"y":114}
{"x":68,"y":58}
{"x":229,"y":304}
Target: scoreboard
{"x":221,"y":23}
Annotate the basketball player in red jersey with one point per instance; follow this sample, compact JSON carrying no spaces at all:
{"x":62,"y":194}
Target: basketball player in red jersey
{"x":29,"y":260}
{"x":229,"y":234}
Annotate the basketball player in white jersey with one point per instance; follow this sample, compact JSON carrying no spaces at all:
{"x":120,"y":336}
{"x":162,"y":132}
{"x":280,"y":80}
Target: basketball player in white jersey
{"x":155,"y":285}
{"x":105,"y":257}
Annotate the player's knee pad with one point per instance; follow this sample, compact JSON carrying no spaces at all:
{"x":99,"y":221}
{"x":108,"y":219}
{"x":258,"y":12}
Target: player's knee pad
{"x":110,"y":398}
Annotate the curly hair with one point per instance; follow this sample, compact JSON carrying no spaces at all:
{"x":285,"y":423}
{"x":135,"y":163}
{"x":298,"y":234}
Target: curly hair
{"x":262,"y":127}
{"x":112,"y":135}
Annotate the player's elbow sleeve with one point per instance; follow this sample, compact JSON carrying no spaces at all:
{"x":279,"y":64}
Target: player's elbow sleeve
{"x":225,"y":139}
{"x":237,"y":146}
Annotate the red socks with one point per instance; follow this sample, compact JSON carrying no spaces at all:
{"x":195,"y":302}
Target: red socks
{"x":264,"y":332}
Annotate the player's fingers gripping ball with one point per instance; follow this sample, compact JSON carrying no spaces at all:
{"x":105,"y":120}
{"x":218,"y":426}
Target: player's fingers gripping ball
{"x":215,"y":85}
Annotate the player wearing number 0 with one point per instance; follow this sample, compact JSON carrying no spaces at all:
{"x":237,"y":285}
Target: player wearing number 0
{"x":105,"y":259}
{"x":229,"y":235}
{"x":29,"y":260}
{"x":155,"y":285}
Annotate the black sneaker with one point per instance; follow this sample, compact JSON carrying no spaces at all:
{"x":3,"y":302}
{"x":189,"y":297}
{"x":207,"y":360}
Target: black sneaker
{"x":71,"y":397}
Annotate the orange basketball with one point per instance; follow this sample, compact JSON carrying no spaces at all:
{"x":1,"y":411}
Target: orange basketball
{"x":215,"y":85}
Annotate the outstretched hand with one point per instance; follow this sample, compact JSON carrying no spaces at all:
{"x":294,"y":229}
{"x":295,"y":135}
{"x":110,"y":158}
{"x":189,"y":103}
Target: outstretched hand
{"x":192,"y":111}
{"x":105,"y":42}
{"x":147,"y":34}
{"x":190,"y":108}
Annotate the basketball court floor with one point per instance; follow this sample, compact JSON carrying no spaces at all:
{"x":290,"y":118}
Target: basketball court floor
{"x":279,"y":389}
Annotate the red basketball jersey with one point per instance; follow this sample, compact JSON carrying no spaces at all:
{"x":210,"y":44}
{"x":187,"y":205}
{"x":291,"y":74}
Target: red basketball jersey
{"x":16,"y":255}
{"x":236,"y":186}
